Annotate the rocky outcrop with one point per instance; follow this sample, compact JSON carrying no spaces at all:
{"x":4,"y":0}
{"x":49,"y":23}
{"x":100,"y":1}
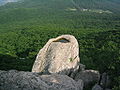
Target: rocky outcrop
{"x":19,"y":80}
{"x":59,"y":55}
{"x":88,"y":76}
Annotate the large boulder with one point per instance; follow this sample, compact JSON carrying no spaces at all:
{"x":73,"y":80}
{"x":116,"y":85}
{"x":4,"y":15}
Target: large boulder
{"x":88,"y":76}
{"x":20,"y":80}
{"x":59,"y":55}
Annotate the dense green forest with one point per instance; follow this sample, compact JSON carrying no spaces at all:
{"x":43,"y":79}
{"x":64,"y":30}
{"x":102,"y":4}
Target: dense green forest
{"x":26,"y":25}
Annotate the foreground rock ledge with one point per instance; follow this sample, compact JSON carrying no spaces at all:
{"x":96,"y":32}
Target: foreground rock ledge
{"x":20,"y":80}
{"x":59,"y":55}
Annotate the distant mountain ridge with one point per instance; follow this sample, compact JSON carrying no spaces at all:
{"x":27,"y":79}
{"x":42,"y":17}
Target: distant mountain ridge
{"x":112,"y":5}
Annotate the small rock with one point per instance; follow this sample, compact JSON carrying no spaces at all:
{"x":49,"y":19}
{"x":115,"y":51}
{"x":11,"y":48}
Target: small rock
{"x":105,"y":81}
{"x":97,"y":87}
{"x":88,"y":76}
{"x":108,"y":89}
{"x":82,"y":67}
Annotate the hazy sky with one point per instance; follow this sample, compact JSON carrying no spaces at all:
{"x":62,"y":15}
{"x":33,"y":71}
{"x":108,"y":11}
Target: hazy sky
{"x":2,"y":2}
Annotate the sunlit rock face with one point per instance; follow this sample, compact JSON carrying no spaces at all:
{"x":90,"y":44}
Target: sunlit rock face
{"x":59,"y":55}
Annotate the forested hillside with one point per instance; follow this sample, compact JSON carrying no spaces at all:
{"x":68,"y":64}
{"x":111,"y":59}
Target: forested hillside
{"x":26,"y":25}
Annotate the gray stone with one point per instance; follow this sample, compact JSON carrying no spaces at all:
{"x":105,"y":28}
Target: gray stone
{"x":80,"y":83}
{"x":108,"y":89}
{"x":81,"y":67}
{"x":59,"y":55}
{"x":105,"y":81}
{"x":88,"y":76}
{"x":62,"y":80}
{"x":20,"y":80}
{"x":97,"y":87}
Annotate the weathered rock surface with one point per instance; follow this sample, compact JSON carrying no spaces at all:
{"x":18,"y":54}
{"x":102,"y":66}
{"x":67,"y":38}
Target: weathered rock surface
{"x":68,"y":82}
{"x":19,"y":80}
{"x":88,"y":76}
{"x":59,"y":55}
